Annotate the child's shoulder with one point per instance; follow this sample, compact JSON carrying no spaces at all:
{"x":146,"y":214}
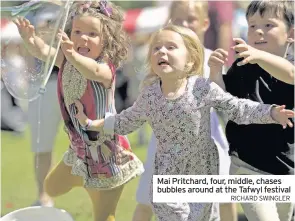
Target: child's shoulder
{"x":199,"y":80}
{"x":200,"y":83}
{"x":151,"y":89}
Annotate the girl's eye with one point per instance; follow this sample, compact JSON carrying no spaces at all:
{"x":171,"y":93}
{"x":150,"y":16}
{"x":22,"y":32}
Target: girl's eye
{"x":252,"y":26}
{"x":156,"y":48}
{"x":269,"y":25}
{"x":77,"y":32}
{"x":171,"y":47}
{"x":92,"y":34}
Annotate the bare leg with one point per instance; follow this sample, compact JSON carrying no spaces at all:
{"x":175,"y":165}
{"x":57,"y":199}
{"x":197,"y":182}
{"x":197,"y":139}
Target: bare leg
{"x":228,"y":212}
{"x":142,"y":213}
{"x":60,"y":180}
{"x":105,"y":203}
{"x":42,"y":167}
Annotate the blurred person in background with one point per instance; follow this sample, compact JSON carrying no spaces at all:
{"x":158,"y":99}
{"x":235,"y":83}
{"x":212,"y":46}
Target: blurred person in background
{"x":135,"y":71}
{"x":219,"y":34}
{"x":13,"y":118}
{"x":44,"y":18}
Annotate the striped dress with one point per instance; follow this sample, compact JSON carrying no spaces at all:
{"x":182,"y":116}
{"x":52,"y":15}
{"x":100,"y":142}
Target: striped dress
{"x":105,"y":162}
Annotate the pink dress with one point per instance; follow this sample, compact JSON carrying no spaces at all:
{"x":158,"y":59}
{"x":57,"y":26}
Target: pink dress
{"x":105,"y":162}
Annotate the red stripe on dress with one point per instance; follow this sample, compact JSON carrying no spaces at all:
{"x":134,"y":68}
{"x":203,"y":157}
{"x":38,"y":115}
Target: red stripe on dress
{"x":131,"y":20}
{"x":89,"y":102}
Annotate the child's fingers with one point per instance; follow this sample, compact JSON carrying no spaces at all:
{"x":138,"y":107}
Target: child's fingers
{"x":22,"y":22}
{"x":240,"y":48}
{"x":31,"y":30}
{"x":219,"y":55}
{"x":244,"y":61}
{"x":289,"y":123}
{"x":243,"y":54}
{"x":215,"y":61}
{"x":16,"y":21}
{"x":222,"y":51}
{"x":239,"y":40}
{"x":281,"y":107}
{"x":27,"y":22}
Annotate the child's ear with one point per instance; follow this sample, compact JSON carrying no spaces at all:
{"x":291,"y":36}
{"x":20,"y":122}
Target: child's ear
{"x":291,"y":35}
{"x":206,"y":24}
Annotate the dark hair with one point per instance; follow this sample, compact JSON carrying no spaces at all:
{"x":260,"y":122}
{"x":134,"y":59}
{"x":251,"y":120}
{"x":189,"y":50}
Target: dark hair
{"x":283,"y":9}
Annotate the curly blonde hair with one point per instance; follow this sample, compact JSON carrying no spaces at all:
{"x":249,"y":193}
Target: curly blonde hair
{"x":195,"y":65}
{"x":116,"y":42}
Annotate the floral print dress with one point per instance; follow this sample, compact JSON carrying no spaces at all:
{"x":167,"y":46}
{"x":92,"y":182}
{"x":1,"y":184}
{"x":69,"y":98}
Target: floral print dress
{"x":182,"y":129}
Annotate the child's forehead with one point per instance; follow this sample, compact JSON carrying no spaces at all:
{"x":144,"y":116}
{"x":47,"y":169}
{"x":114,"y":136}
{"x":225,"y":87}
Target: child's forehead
{"x":87,"y":22}
{"x":167,"y":36}
{"x":266,"y":15}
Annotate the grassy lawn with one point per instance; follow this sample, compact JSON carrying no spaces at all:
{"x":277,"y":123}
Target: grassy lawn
{"x":18,"y":182}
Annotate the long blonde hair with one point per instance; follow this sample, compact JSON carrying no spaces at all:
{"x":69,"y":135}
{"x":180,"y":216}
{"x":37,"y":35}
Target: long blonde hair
{"x":195,"y":65}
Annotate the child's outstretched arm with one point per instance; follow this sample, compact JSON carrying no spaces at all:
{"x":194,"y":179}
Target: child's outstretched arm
{"x":244,"y":111}
{"x":216,"y":62}
{"x":89,"y":68}
{"x":124,"y":123}
{"x":278,"y":67}
{"x":34,"y":44}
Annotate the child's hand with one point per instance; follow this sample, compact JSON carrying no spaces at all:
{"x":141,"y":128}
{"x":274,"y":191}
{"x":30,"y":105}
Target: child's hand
{"x":67,"y":46}
{"x":80,"y":115}
{"x":26,"y":30}
{"x":216,"y":60}
{"x":281,"y":115}
{"x":251,"y":55}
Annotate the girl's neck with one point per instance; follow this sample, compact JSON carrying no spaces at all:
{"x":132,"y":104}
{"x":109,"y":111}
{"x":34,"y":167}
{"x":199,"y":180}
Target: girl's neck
{"x":173,"y":88}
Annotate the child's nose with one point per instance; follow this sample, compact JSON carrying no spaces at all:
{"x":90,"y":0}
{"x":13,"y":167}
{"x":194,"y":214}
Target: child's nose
{"x":259,"y":31}
{"x":162,"y":50}
{"x":84,"y":37}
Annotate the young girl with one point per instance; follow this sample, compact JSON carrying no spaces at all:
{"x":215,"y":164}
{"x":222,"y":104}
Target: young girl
{"x":193,"y":15}
{"x":87,"y":62}
{"x":176,"y":102}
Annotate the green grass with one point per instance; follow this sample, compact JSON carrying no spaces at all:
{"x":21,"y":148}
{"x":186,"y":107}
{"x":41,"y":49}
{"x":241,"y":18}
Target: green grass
{"x":18,"y":181}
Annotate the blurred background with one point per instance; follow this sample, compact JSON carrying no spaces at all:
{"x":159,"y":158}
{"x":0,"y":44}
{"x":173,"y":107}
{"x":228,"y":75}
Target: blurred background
{"x":141,"y":19}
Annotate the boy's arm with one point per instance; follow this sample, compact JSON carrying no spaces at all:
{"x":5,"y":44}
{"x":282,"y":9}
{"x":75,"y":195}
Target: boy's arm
{"x":278,"y":67}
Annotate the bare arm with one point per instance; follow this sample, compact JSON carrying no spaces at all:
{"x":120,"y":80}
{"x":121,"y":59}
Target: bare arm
{"x":278,"y":67}
{"x":216,"y":63}
{"x":89,"y":68}
{"x":36,"y":45}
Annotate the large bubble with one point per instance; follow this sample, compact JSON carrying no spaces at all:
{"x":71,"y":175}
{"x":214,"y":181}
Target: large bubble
{"x":25,"y":76}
